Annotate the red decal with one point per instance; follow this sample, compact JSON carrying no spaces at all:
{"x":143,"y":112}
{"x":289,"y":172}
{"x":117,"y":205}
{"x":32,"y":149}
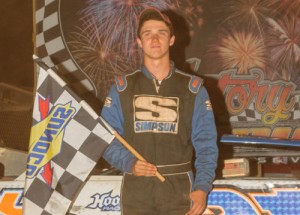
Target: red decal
{"x":44,"y":107}
{"x":195,"y":82}
{"x":120,"y":80}
{"x":48,"y":171}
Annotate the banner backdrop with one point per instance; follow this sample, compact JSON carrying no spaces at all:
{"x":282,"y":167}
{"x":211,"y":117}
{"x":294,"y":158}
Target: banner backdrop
{"x":101,"y":196}
{"x":247,"y":51}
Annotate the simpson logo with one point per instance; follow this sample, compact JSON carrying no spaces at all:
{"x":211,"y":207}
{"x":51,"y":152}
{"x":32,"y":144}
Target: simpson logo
{"x":46,"y":138}
{"x":156,"y":114}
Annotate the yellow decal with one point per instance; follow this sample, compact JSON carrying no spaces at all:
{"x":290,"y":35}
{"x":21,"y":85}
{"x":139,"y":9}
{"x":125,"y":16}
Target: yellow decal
{"x":46,"y":138}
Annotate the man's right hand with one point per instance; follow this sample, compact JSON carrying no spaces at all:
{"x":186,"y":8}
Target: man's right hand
{"x":143,"y":168}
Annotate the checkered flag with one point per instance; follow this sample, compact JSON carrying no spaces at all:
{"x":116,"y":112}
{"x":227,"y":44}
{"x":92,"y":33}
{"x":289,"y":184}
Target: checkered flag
{"x":67,"y":139}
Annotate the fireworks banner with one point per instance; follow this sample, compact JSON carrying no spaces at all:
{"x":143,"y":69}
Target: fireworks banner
{"x":66,"y":141}
{"x":247,"y":51}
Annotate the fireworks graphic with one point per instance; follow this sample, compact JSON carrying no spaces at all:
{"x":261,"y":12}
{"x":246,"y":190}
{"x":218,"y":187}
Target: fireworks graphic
{"x":100,"y":65}
{"x":241,"y":50}
{"x":248,"y":12}
{"x":192,"y":11}
{"x":222,"y":35}
{"x":116,"y":21}
{"x":268,"y":39}
{"x":284,"y":46}
{"x":105,"y":43}
{"x":286,"y":7}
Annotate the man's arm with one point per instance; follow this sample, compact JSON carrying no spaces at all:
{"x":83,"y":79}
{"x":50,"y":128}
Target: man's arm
{"x":116,"y":154}
{"x":204,"y":137}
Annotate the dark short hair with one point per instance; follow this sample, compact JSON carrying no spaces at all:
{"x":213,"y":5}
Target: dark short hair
{"x":154,"y":14}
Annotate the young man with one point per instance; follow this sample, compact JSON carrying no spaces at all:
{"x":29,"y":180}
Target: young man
{"x":167,"y":117}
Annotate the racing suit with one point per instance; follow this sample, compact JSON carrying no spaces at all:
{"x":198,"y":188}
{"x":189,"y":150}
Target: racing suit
{"x":170,"y":124}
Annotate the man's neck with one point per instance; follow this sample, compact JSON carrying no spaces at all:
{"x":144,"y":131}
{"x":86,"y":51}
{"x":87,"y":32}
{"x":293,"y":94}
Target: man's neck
{"x":158,"y":68}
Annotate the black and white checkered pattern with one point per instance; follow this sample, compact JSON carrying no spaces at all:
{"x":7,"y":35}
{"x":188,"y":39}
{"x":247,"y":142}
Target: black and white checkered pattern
{"x":51,"y":47}
{"x":84,"y":141}
{"x":248,"y":115}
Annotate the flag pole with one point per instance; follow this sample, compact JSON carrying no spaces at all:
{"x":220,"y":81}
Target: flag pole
{"x":89,"y":109}
{"x":135,"y":153}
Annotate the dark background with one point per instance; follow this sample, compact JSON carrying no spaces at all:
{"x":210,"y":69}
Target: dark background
{"x":16,"y":73}
{"x":16,"y":42}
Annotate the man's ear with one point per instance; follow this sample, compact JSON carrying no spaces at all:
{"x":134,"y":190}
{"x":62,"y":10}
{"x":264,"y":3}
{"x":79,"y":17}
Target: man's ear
{"x":172,"y":40}
{"x":139,"y":42}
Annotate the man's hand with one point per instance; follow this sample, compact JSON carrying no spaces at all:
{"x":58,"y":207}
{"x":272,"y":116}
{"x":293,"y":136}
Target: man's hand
{"x":199,"y":199}
{"x":143,"y":168}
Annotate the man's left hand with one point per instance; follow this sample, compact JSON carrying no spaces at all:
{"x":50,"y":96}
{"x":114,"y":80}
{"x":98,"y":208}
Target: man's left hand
{"x":199,"y":199}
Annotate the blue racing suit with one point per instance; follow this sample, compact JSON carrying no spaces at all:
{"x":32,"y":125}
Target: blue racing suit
{"x":201,"y":138}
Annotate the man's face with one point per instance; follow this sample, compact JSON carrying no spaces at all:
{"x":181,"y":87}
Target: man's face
{"x":155,"y":39}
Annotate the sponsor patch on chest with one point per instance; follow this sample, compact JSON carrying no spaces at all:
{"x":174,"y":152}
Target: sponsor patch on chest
{"x":156,"y":114}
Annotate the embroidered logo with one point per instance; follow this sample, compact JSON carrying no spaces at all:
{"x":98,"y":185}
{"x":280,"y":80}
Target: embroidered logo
{"x":107,"y":102}
{"x":156,"y":114}
{"x":208,"y":105}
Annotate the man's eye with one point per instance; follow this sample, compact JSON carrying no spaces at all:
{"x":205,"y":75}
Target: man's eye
{"x":163,"y":33}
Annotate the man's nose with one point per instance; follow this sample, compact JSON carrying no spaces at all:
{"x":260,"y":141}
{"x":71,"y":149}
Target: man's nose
{"x":155,"y":37}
